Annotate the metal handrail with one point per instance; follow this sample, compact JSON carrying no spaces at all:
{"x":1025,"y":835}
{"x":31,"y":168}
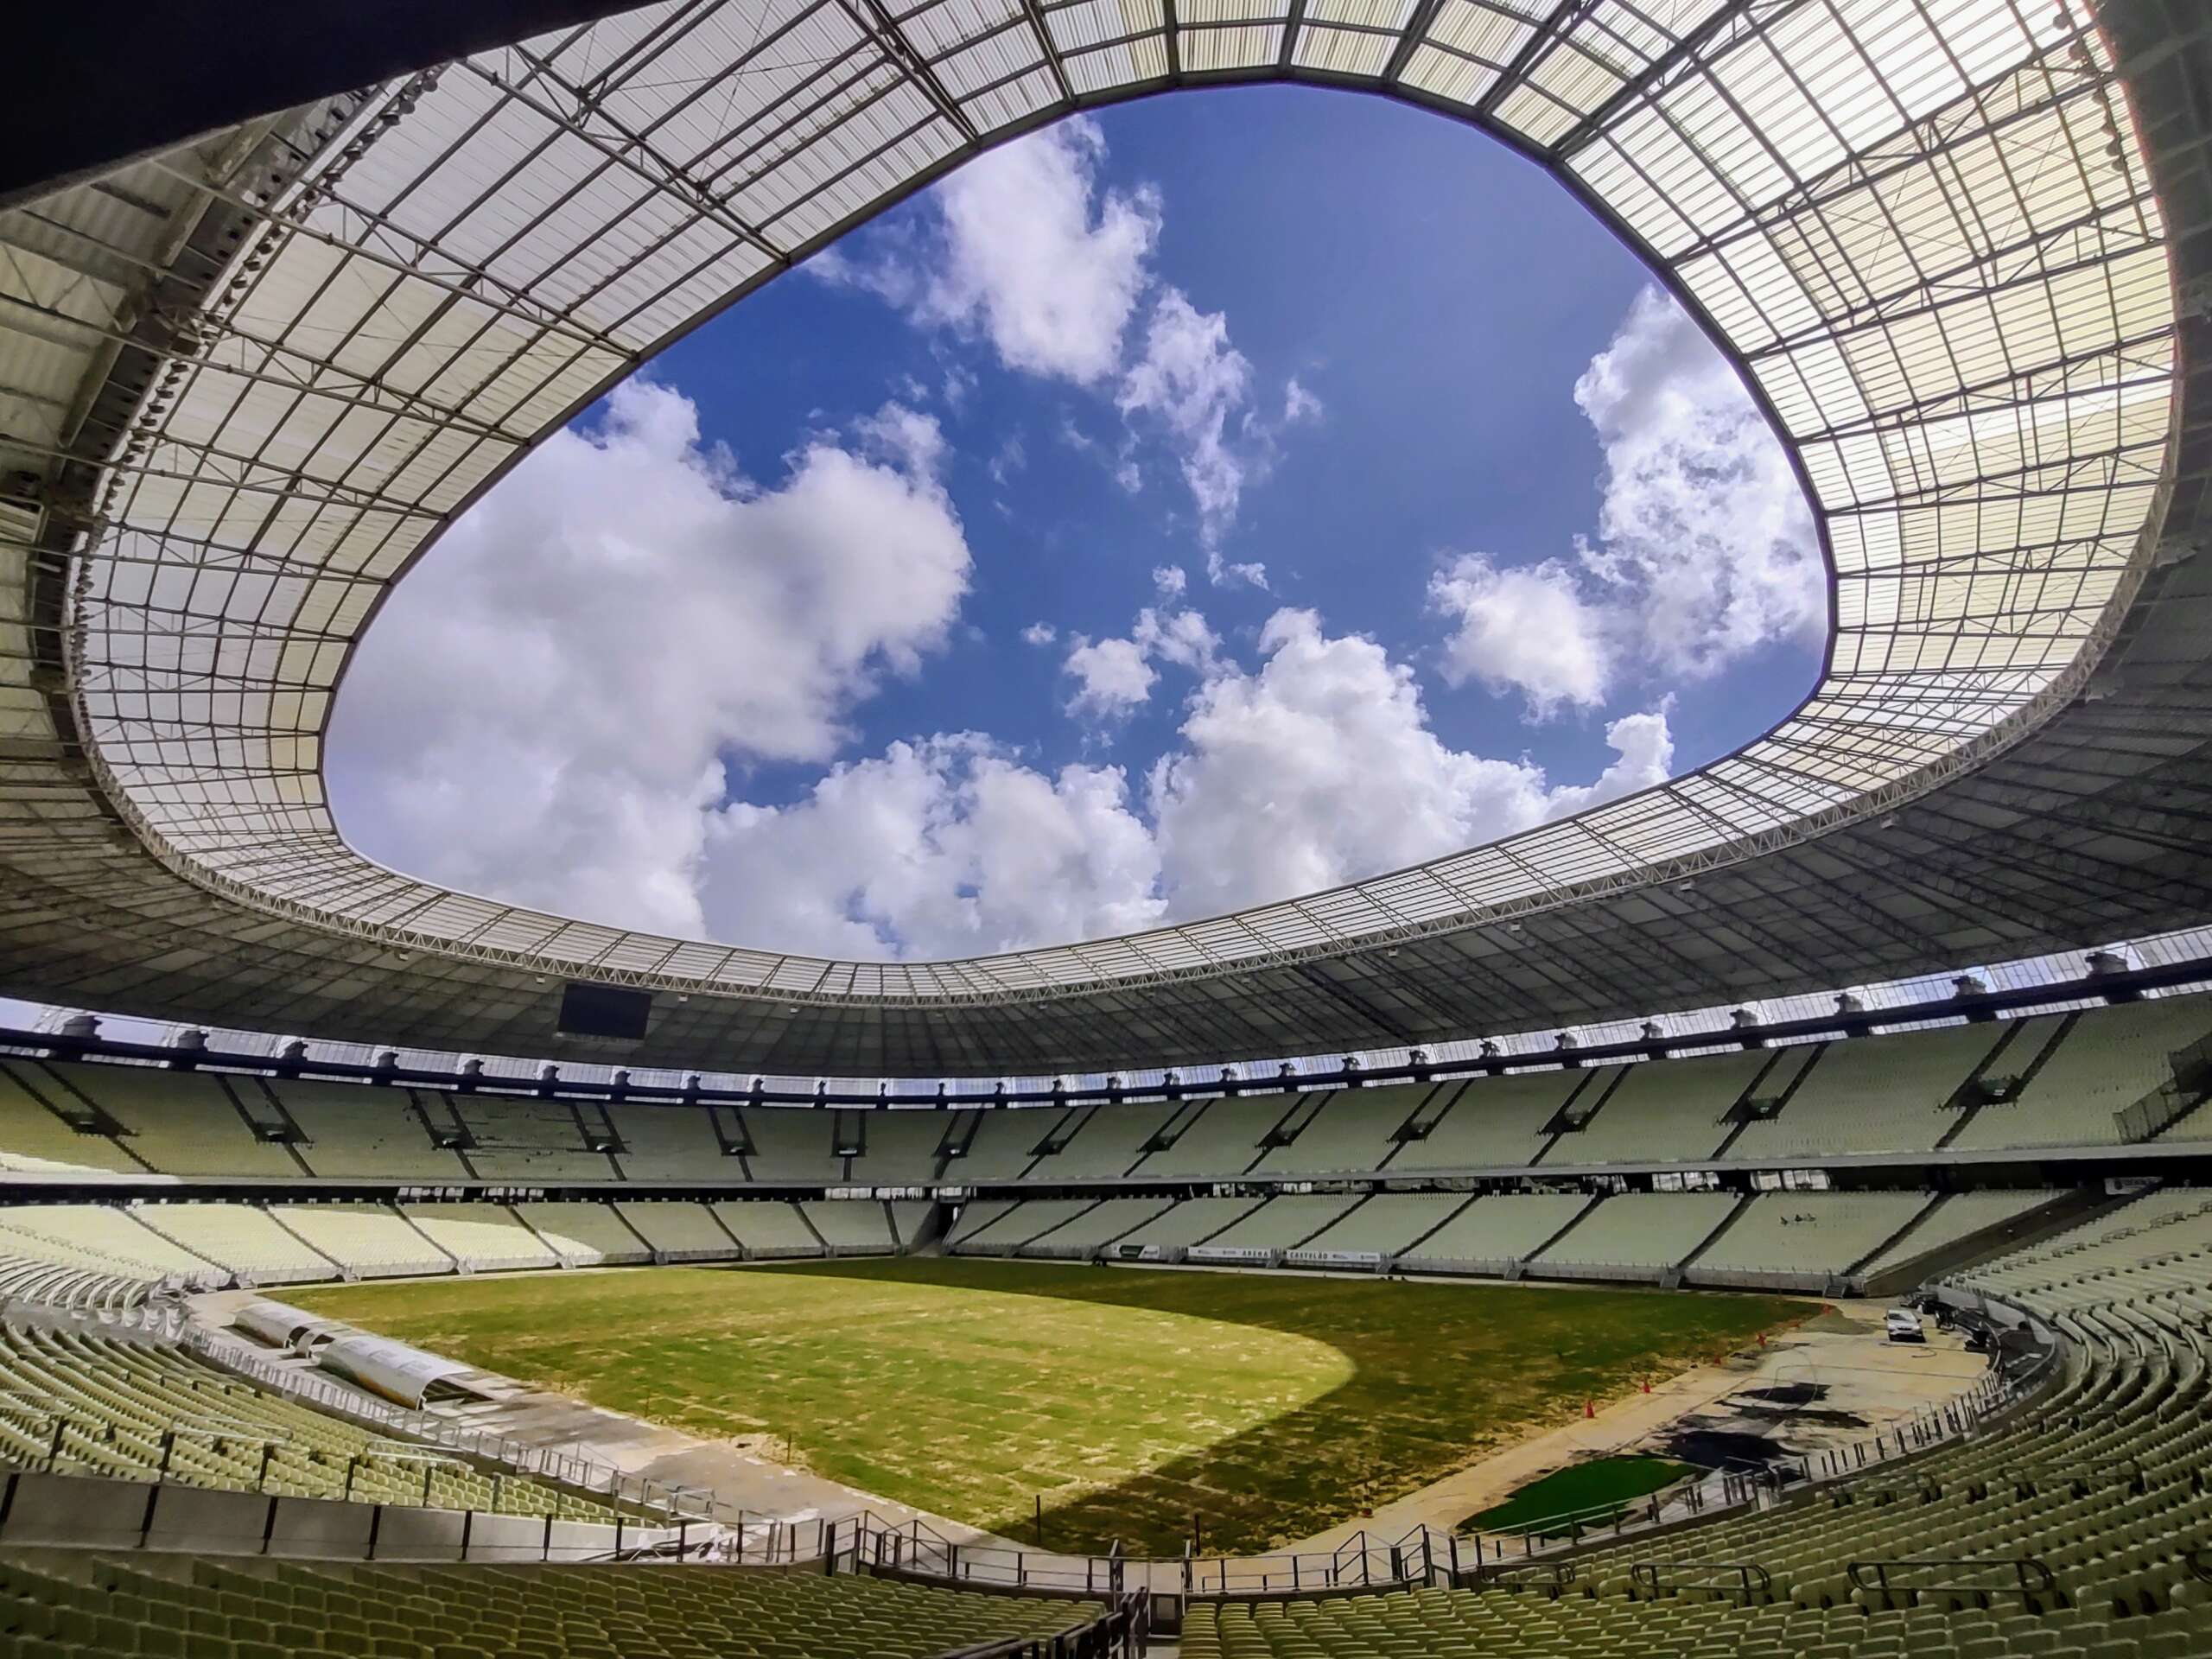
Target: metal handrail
{"x":1752,"y":1580}
{"x":2031,"y":1573}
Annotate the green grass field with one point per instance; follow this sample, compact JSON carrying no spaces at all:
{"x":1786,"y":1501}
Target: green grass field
{"x":1272,"y":1404}
{"x":1594,"y":1492}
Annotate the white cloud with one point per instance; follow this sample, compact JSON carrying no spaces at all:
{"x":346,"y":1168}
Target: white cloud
{"x":1298,"y":404}
{"x":1528,"y":628}
{"x":1704,"y":539}
{"x":944,"y":848}
{"x":1039,"y":633}
{"x":1320,"y":767}
{"x":1182,"y":637}
{"x":1191,"y":379}
{"x":1111,"y":677}
{"x":542,"y":710}
{"x":1026,"y":251}
{"x":1169,"y":580}
{"x":1645,"y":745}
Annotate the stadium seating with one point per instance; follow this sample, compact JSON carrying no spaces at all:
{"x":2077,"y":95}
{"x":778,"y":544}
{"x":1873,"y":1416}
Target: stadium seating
{"x":1093,"y":1226}
{"x":2154,"y":1246}
{"x":671,"y":1143}
{"x":536,"y":1140}
{"x":1001,"y":1142}
{"x":86,"y":1603}
{"x":677,"y":1228}
{"x":180,"y":1122}
{"x":141,"y":1411}
{"x":901,"y":1147}
{"x":1492,"y":1121}
{"x":1636,"y":1234}
{"x":793,"y":1144}
{"x":1664,"y":1111}
{"x":353,"y":1133}
{"x":851,"y":1227}
{"x":1191,"y":1221}
{"x":239,"y":1236}
{"x":1957,"y":1217}
{"x":1388,"y":1223}
{"x":1001,"y":1228}
{"x":1496,"y":1228}
{"x":1347,"y":1129}
{"x":1100,"y":1140}
{"x":367,"y":1241}
{"x":1872,"y":1094}
{"x":1219,"y":1137}
{"x":485,"y":1236}
{"x":977,"y":1215}
{"x":583,"y":1235}
{"x":101,"y":1238}
{"x":35,"y":1141}
{"x":1806,"y":1235}
{"x":765,"y":1228}
{"x":2107,"y":1060}
{"x":909,"y":1217}
{"x":1282,"y":1224}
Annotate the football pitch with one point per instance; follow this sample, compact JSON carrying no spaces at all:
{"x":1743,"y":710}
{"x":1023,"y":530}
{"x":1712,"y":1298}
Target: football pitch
{"x":1270,"y":1405}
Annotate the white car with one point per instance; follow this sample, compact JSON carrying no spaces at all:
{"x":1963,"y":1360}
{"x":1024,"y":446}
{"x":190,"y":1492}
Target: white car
{"x":1904,"y":1326}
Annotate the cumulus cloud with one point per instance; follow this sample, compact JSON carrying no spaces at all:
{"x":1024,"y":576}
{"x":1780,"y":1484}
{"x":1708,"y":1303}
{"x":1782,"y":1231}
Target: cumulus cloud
{"x":1527,"y":628}
{"x":1024,"y":250}
{"x":1193,"y":380}
{"x":1321,"y":767}
{"x":1111,"y":677}
{"x":542,"y":709}
{"x":944,"y":848}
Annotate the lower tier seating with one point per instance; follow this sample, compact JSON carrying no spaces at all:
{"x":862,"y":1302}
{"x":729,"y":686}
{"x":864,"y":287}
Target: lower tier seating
{"x":260,"y":1610}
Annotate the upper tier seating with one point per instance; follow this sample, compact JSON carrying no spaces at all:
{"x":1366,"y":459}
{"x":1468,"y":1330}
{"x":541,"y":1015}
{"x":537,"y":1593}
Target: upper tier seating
{"x":793,"y":1143}
{"x":354,"y":1132}
{"x":672,"y":1143}
{"x":1823,"y":1233}
{"x":33,"y":1140}
{"x":1101,"y":1141}
{"x":1284,"y":1222}
{"x":239,"y":1236}
{"x":523,"y":1140}
{"x":583,"y":1235}
{"x":1344,"y":1130}
{"x":678,"y":1227}
{"x":761,"y":1226}
{"x":2109,"y":1060}
{"x":181,"y":1122}
{"x":1219,"y":1137}
{"x":1664,"y":1111}
{"x":484,"y":1234}
{"x":1957,"y":1217}
{"x":1648,"y":1231}
{"x":1003,"y":1142}
{"x":1498,"y":1227}
{"x":1493,"y":1122}
{"x":1191,"y":1221}
{"x":851,"y":1226}
{"x":1872,"y":1094}
{"x":901,"y":1147}
{"x":61,"y":1604}
{"x":370,"y":1241}
{"x":128,"y":1410}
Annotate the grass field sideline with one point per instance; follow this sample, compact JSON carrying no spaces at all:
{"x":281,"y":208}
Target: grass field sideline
{"x":1273,"y":1405}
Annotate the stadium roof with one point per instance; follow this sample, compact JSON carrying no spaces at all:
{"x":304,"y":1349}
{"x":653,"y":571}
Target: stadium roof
{"x":1959,"y":248}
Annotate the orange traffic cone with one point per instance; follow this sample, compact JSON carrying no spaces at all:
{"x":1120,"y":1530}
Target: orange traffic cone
{"x":1647,"y":1385}
{"x":1589,"y":1410}
{"x":1762,"y":1338}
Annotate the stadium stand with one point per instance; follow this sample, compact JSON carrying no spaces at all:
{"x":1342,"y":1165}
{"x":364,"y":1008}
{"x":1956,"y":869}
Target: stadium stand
{"x":1664,"y":1111}
{"x":1496,"y":1228}
{"x":90,"y":1604}
{"x":2105,"y":1061}
{"x":367,"y":1241}
{"x":677,"y":1228}
{"x":350,"y":1133}
{"x":482,"y":1236}
{"x":671,"y":1143}
{"x":765,"y":1228}
{"x":180,"y":1122}
{"x":1638,"y":1235}
{"x":1016,"y":1224}
{"x":1342,"y":1130}
{"x":1101,"y":1141}
{"x":792,"y":1144}
{"x":583,"y":1235}
{"x":851,"y":1227}
{"x":36,"y":1139}
{"x":142,"y":1411}
{"x":910,"y":1217}
{"x":901,"y":1147}
{"x":1806,"y":1238}
{"x":977,"y":1215}
{"x":522,"y":1139}
{"x":1189,"y":1223}
{"x":1492,"y":1122}
{"x":1219,"y":1136}
{"x":1953,"y":1218}
{"x":998,"y":1145}
{"x":1385,"y":1223}
{"x":1283,"y":1222}
{"x":1872,"y":1094}
{"x":239,"y":1236}
{"x":1093,"y":1226}
{"x":2130,"y":1256}
{"x":98,"y":1236}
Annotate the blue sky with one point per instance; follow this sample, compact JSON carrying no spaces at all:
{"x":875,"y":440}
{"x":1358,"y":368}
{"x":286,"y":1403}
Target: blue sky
{"x":1214,"y":498}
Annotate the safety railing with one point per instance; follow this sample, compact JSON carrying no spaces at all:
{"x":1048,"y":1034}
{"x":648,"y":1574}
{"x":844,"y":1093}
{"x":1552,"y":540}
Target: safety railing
{"x":2031,"y":1578}
{"x":1654,"y":1579}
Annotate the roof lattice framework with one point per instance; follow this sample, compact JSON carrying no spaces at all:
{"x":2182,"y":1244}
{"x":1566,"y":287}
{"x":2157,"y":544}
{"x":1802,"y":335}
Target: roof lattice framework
{"x":1928,"y":232}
